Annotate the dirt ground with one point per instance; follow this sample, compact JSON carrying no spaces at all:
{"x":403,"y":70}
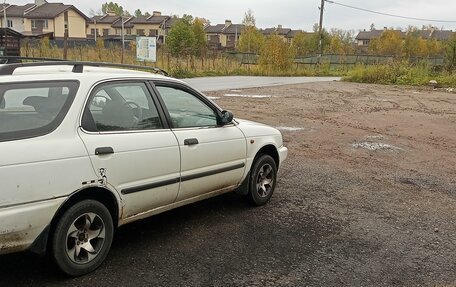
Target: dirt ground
{"x":367,"y":197}
{"x":376,"y":165}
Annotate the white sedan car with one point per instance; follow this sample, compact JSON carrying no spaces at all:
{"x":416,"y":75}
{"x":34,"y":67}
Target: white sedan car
{"x":86,"y":149}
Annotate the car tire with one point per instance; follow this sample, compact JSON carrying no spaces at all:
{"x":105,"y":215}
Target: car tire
{"x":82,"y":237}
{"x":263,"y":177}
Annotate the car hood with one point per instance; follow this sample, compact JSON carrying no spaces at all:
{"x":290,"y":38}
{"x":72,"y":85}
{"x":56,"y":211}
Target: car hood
{"x":254,"y":129}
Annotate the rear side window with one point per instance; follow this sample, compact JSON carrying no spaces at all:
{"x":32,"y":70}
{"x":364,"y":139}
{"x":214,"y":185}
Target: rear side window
{"x":34,"y":109}
{"x":121,"y":106}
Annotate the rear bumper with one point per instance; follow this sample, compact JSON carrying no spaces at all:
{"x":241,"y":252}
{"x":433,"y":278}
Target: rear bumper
{"x":283,"y":153}
{"x":20,"y":225}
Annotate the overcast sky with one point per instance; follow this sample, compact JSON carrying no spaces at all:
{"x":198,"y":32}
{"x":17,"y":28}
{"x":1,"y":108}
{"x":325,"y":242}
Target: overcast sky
{"x":296,"y":14}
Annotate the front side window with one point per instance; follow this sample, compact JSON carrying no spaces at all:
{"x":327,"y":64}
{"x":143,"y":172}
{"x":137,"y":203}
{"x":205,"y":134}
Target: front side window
{"x":185,"y":109}
{"x":33,"y":109}
{"x":121,"y":107}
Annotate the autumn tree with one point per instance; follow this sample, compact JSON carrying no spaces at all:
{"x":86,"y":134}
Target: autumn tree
{"x":450,"y":54}
{"x":249,"y":18}
{"x":251,"y":39}
{"x":340,"y":42}
{"x":411,"y":44}
{"x":304,"y":44}
{"x":389,"y":43}
{"x":200,"y":42}
{"x":276,"y":53}
{"x":435,"y":48}
{"x":181,"y":38}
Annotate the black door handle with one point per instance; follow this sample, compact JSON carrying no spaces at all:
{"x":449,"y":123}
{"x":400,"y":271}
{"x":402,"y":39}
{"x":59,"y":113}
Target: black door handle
{"x":104,"y":150}
{"x":191,"y":141}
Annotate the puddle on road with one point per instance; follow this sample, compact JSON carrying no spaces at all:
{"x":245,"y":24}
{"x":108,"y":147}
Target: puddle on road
{"x":375,"y":137}
{"x":289,"y":129}
{"x":374,"y":146}
{"x":248,"y":96}
{"x":295,"y":129}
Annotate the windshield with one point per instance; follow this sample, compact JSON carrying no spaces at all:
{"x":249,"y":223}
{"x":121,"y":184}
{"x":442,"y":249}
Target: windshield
{"x":34,"y":109}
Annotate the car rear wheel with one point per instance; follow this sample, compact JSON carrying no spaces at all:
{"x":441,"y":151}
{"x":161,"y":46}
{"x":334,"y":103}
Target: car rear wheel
{"x":82,"y":238}
{"x":263,"y":177}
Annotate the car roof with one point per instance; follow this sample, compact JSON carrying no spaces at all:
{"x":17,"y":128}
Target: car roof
{"x":90,"y":74}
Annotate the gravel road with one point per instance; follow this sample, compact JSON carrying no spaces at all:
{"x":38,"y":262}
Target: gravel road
{"x":367,"y":197}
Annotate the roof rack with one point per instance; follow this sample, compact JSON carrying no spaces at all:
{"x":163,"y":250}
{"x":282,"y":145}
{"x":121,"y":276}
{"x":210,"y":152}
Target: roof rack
{"x":78,"y":66}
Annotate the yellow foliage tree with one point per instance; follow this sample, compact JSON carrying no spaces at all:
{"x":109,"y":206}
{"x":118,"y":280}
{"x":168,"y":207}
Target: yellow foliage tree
{"x":389,"y":43}
{"x":276,"y":53}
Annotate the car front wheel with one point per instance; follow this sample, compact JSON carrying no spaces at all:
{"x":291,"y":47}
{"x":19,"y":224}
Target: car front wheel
{"x":82,"y":238}
{"x":263,"y":177}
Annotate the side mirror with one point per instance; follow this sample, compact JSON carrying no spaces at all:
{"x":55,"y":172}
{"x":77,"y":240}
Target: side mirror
{"x":226,"y":118}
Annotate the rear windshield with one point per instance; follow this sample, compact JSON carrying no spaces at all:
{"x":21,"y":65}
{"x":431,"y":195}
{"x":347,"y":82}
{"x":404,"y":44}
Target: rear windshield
{"x":34,"y":108}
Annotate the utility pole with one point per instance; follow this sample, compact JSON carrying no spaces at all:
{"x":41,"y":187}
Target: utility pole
{"x":66,"y":27}
{"x":320,"y":28}
{"x":123,"y":38}
{"x":6,"y":26}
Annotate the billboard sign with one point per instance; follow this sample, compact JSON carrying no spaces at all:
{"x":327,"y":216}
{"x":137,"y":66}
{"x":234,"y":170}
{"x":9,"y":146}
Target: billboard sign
{"x":146,"y":49}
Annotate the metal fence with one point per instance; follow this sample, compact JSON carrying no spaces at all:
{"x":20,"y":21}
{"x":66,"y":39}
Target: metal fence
{"x":335,"y":60}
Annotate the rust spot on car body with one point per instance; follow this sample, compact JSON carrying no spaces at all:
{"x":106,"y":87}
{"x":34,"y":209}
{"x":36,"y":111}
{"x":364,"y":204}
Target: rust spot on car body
{"x":11,"y":242}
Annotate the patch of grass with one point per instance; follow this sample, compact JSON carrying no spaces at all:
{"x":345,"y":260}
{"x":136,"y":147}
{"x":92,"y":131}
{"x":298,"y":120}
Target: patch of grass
{"x":399,"y":73}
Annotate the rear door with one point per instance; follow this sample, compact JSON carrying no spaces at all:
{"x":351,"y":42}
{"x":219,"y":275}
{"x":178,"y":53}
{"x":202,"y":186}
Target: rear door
{"x":213,"y":157}
{"x":130,"y":145}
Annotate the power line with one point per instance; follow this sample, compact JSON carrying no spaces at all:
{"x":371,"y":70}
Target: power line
{"x":391,"y":15}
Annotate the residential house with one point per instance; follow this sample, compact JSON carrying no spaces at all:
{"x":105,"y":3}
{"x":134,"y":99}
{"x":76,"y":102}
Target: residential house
{"x":292,"y":34}
{"x":364,"y":37}
{"x":279,"y":31}
{"x":433,"y":34}
{"x":102,"y":25}
{"x":14,"y":16}
{"x":111,"y":26}
{"x":230,"y":35}
{"x":214,"y":34}
{"x":43,"y":18}
{"x":160,"y":25}
{"x":223,"y":35}
{"x":117,"y":26}
{"x":149,"y":26}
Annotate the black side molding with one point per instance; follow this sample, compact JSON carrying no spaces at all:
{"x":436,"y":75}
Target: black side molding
{"x":212,"y":172}
{"x":180,"y":179}
{"x":150,"y":186}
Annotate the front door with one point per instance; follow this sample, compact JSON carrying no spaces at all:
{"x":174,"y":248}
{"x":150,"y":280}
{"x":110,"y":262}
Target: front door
{"x":213,"y":157}
{"x":131,"y":146}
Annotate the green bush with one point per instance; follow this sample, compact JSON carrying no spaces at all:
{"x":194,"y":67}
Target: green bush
{"x":400,"y":73}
